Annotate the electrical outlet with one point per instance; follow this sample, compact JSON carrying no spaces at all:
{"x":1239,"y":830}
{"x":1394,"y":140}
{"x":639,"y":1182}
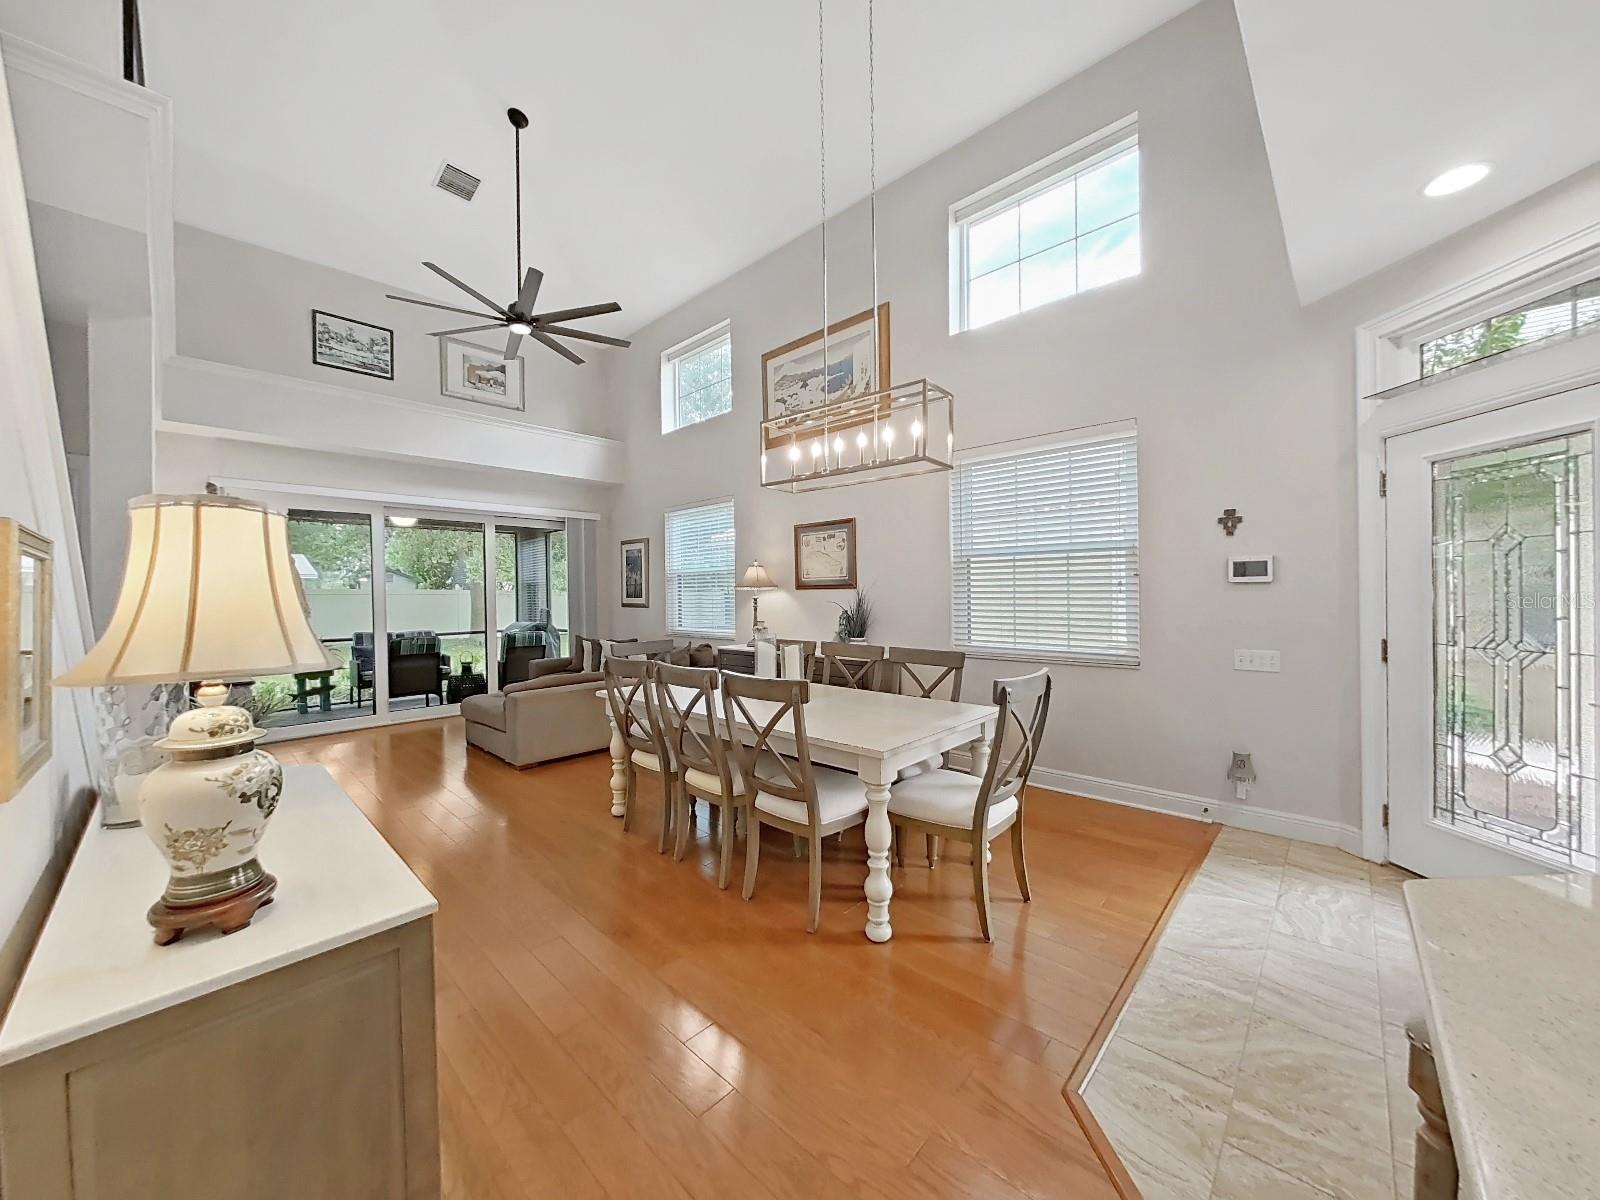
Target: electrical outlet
{"x":1257,"y":660}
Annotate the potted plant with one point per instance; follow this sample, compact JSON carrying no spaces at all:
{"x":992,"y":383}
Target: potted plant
{"x":853,"y":620}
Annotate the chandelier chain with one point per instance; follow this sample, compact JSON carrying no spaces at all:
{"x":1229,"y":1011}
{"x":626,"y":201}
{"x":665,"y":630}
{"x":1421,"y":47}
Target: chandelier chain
{"x":872,"y":159}
{"x":822,"y":145}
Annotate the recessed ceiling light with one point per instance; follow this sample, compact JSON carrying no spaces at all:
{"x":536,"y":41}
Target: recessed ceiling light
{"x":1456,"y":179}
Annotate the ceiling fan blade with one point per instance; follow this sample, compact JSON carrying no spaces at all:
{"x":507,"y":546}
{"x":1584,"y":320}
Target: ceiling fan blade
{"x":468,"y":329}
{"x":584,"y":335}
{"x":513,"y":345}
{"x":473,"y":292}
{"x":442,"y":307}
{"x":556,"y":346}
{"x":530,"y":290}
{"x":573,"y":314}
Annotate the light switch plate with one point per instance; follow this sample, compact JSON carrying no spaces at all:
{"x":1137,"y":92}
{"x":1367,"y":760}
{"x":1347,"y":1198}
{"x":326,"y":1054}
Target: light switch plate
{"x":1257,"y":660}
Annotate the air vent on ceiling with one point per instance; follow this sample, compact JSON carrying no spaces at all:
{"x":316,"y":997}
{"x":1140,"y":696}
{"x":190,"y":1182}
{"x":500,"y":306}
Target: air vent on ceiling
{"x":457,"y":182}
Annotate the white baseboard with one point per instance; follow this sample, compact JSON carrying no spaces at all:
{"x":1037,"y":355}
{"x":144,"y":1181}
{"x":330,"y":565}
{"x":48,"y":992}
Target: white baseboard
{"x":1198,"y":808}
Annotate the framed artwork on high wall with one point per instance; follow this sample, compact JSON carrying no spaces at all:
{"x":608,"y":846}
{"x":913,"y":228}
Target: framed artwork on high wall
{"x":636,"y":573}
{"x":794,"y":378}
{"x":825,"y":554}
{"x":471,"y":372}
{"x":350,"y":345}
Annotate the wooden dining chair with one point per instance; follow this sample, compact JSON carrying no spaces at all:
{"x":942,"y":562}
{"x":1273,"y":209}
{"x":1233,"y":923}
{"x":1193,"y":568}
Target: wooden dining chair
{"x":692,"y":728}
{"x":787,"y":791}
{"x":964,"y":808}
{"x":808,"y":654}
{"x":851,"y":664}
{"x":628,"y":695}
{"x":931,"y":674}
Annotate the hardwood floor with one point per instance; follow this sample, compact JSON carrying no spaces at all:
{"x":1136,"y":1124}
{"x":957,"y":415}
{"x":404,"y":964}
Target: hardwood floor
{"x":613,"y":1025}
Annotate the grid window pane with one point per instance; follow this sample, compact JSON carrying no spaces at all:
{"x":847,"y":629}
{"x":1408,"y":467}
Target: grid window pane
{"x":1109,"y":192}
{"x":701,"y":383}
{"x":700,"y":569}
{"x":1589,"y":303}
{"x":1560,"y":314}
{"x":1050,"y":275}
{"x":992,"y":297}
{"x":1048,"y":218}
{"x":1108,"y":254}
{"x":992,"y":242}
{"x":1056,"y":236}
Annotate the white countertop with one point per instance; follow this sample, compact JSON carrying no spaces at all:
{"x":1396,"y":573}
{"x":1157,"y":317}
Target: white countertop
{"x":1511,"y":968}
{"x":96,"y":965}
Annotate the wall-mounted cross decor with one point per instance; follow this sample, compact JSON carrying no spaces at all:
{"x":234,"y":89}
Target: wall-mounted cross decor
{"x":1230,"y":520}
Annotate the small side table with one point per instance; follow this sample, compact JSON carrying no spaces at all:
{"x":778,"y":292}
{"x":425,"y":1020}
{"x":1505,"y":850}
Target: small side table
{"x":458,"y":687}
{"x":313,"y":683}
{"x":741,"y":660}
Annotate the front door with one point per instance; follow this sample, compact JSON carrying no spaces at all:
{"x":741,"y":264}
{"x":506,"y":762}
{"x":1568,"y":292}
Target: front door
{"x":1491,"y":629}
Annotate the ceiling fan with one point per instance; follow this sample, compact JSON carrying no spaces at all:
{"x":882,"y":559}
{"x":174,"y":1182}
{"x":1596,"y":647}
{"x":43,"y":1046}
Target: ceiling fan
{"x":518,"y":317}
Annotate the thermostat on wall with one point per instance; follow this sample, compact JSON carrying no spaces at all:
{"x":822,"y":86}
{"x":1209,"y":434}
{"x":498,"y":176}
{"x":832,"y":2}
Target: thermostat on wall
{"x":1247,"y":568}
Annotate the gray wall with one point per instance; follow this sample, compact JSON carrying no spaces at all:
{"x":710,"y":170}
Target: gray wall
{"x":1243,"y":399}
{"x":250,"y":307}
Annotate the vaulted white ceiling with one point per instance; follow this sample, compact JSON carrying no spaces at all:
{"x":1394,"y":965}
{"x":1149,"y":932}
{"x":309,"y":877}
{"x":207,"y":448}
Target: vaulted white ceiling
{"x":672,"y":142}
{"x":1364,"y":101}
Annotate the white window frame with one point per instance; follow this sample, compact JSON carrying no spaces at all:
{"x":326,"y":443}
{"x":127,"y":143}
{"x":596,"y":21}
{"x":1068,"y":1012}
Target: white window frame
{"x":672,"y":355}
{"x":1023,"y":446}
{"x":1083,"y":155}
{"x":733,"y":571}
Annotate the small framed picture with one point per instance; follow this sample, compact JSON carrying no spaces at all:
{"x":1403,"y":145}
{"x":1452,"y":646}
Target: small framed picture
{"x":349,"y":345}
{"x":636,"y":573}
{"x":825,"y":554}
{"x":468,"y":371}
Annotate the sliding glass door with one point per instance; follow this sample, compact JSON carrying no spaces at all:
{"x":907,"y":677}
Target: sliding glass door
{"x":435,"y":610}
{"x":332,"y":553}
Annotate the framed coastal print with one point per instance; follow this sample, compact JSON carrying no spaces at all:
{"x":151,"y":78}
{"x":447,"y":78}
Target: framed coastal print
{"x":349,"y":345}
{"x":794,"y":378}
{"x":25,"y":624}
{"x":825,"y":554}
{"x":636,"y":573}
{"x":471,"y":372}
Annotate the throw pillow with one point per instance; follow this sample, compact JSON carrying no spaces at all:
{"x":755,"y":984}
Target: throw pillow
{"x":679,"y":657}
{"x":703,"y":655}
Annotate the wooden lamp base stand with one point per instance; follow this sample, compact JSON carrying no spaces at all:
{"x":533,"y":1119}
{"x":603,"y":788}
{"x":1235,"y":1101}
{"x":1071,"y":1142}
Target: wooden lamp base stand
{"x":229,"y":914}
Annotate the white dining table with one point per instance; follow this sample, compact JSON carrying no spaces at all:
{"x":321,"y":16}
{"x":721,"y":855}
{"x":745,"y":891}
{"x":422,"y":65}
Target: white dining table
{"x":874,"y":735}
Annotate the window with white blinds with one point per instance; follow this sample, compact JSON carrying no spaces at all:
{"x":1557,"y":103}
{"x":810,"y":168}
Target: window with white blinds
{"x":700,"y":569}
{"x":1044,"y":544}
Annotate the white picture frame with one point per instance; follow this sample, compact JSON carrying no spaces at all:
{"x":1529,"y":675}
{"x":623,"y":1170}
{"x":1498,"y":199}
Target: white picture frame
{"x":468,"y":371}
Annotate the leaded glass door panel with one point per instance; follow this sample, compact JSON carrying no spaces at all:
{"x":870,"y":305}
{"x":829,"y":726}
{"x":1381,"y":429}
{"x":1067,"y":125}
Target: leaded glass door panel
{"x":1492,"y":641}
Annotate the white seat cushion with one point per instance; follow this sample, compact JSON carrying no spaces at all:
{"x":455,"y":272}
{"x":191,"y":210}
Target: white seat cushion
{"x":709,"y":782}
{"x":945,"y":798}
{"x":839,"y":795}
{"x":643,"y":758}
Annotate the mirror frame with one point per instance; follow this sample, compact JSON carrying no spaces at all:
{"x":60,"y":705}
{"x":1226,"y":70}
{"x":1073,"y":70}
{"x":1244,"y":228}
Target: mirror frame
{"x":17,"y":766}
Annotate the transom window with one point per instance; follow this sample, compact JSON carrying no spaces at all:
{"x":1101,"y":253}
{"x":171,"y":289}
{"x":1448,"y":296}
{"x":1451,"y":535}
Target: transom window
{"x":1060,"y":227}
{"x":1044,"y":547}
{"x":1565,"y":312}
{"x":697,"y":379}
{"x":700,"y":569}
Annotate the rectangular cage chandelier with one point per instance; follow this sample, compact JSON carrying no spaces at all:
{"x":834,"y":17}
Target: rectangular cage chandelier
{"x":908,"y":429}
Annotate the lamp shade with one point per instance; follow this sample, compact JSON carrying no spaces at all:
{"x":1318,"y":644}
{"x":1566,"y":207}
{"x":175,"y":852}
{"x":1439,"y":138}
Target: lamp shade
{"x":757,"y":576}
{"x":209,"y":592}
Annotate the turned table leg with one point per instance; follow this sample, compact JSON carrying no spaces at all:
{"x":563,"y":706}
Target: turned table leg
{"x":880,"y":836}
{"x":1436,"y":1175}
{"x":619,"y":768}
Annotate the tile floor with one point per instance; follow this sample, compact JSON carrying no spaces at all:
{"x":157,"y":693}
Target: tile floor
{"x":1262,"y":1055}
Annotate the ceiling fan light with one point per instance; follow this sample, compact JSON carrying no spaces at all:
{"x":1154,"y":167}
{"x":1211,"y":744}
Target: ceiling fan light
{"x":520,"y":328}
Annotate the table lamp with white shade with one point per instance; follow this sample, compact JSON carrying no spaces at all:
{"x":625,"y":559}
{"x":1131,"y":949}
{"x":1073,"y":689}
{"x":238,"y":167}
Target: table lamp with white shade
{"x":209,"y":594}
{"x":756,"y":579}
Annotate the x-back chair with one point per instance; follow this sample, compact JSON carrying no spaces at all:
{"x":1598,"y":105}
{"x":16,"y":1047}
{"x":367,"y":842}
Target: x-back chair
{"x":787,"y":792}
{"x":957,"y":806}
{"x":686,"y":701}
{"x":632,"y":710}
{"x":851,"y":664}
